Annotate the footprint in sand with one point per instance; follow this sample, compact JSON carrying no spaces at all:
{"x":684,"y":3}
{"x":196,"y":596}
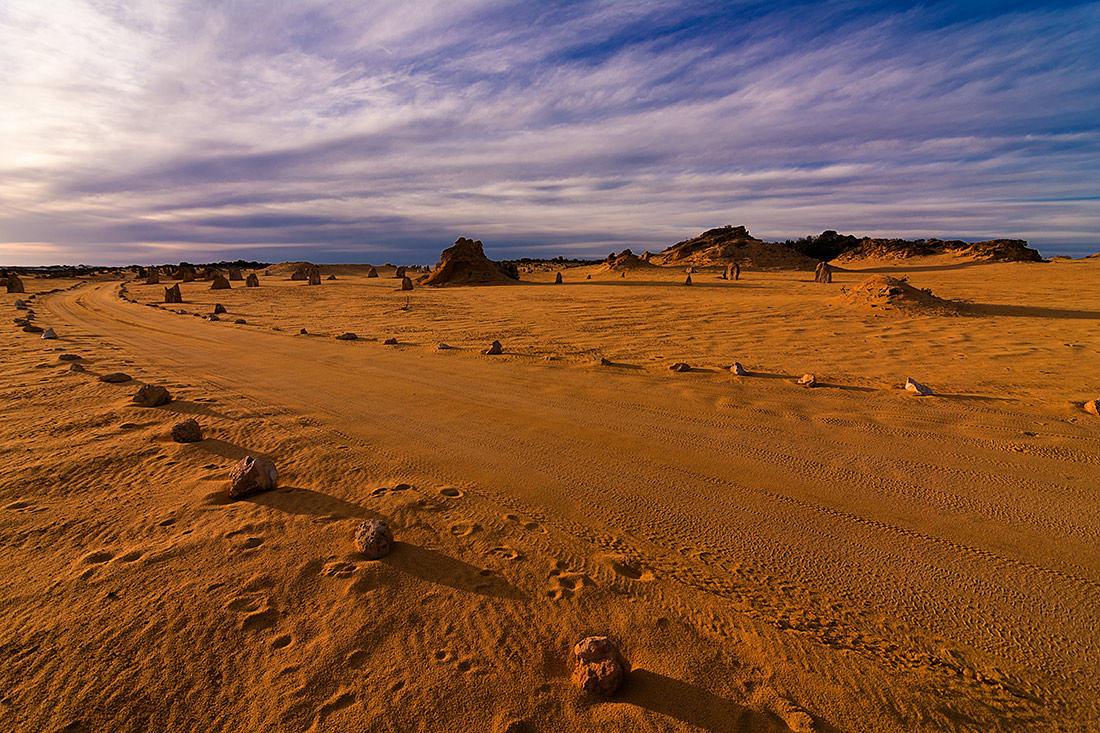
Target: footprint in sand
{"x":506,"y":552}
{"x":465,"y":529}
{"x":259,"y":613}
{"x":565,"y":584}
{"x":337,"y":569}
{"x":629,"y":569}
{"x":282,"y":641}
{"x":357,"y":658}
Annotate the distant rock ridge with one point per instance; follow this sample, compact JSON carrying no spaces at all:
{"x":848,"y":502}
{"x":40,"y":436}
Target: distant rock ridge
{"x":465,"y":263}
{"x":626,"y":260}
{"x":840,"y":248}
{"x":728,"y":245}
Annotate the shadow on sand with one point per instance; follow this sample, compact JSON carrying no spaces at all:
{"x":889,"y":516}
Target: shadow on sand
{"x":435,"y":567}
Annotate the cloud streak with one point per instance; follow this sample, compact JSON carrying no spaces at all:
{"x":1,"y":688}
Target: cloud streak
{"x":344,"y":130}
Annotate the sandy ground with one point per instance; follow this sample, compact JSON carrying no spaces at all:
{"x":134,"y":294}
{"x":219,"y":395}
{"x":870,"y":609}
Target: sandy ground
{"x":877,"y":560}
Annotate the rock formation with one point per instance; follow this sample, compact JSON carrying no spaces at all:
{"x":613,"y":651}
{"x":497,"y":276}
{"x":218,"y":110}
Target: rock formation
{"x":76,"y":367}
{"x":235,"y":274}
{"x":14,"y":284}
{"x":172,"y":294}
{"x":557,"y":279}
{"x":399,"y":273}
{"x":153,"y":278}
{"x":68,"y":357}
{"x":252,"y":474}
{"x":315,"y":276}
{"x":241,"y":322}
{"x":823,"y":273}
{"x":373,"y":538}
{"x":252,"y":281}
{"x":1093,"y":407}
{"x":31,"y":328}
{"x":890,"y":293}
{"x":152,"y":395}
{"x":625,"y":260}
{"x":187,"y":431}
{"x":331,"y":277}
{"x":219,"y":308}
{"x":465,"y":263}
{"x":688,"y":281}
{"x":390,"y":342}
{"x":732,"y":272}
{"x":730,"y":244}
{"x":737,"y":369}
{"x":220,"y":283}
{"x":598,"y":666}
{"x":680,"y":367}
{"x":49,"y":333}
{"x":372,"y":272}
{"x":406,"y":284}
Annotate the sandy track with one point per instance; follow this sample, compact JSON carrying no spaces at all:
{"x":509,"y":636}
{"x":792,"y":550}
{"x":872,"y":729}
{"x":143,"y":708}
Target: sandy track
{"x":915,"y":533}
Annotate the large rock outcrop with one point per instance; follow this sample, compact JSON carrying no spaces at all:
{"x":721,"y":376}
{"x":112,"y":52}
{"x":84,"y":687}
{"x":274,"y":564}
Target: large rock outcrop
{"x":465,"y":263}
{"x":730,"y":244}
{"x":626,"y":260}
{"x":887,"y":294}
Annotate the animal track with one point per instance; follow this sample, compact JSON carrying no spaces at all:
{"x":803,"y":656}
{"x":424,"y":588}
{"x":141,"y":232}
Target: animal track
{"x":465,"y":529}
{"x":565,"y":584}
{"x":508,"y":553}
{"x":338,"y":569}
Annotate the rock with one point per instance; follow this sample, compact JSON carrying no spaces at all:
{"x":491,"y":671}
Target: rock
{"x":31,"y":328}
{"x":443,"y":347}
{"x":212,"y":317}
{"x":917,"y":387}
{"x":220,"y":283}
{"x":187,"y":431}
{"x":590,"y":277}
{"x":20,"y":304}
{"x":737,"y":369}
{"x":823,"y":273}
{"x":252,"y":474}
{"x":241,"y":322}
{"x":808,"y":380}
{"x":68,"y":357}
{"x":49,"y":334}
{"x":303,"y":332}
{"x":172,"y":294}
{"x":465,"y":263}
{"x":14,"y":284}
{"x":115,"y":377}
{"x":76,"y":367}
{"x":603,"y":361}
{"x":346,"y":336}
{"x":1093,"y":407}
{"x":153,"y":278}
{"x":314,"y":276}
{"x":373,"y":538}
{"x":623,"y":274}
{"x":219,"y":308}
{"x":399,"y":273}
{"x":494,"y":349}
{"x":252,"y":281}
{"x":680,"y":367}
{"x":235,"y":274}
{"x":151,"y":395}
{"x":557,"y":279}
{"x":598,"y":666}
{"x":406,"y":284}
{"x":688,"y":281}
{"x":331,"y":277}
{"x":390,"y":342}
{"x":372,"y":272}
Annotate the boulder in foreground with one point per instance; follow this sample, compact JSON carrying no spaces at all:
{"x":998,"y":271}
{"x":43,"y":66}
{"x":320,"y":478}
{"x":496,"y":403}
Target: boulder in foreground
{"x":373,"y":538}
{"x":250,"y":474}
{"x":49,"y":333}
{"x":808,"y":380}
{"x":172,"y":294}
{"x":346,"y":336}
{"x":187,"y":431}
{"x":152,"y":395}
{"x":1093,"y":407}
{"x":598,"y":666}
{"x":465,"y":263}
{"x":252,"y":281}
{"x":14,"y":284}
{"x":916,"y":387}
{"x":494,"y":349}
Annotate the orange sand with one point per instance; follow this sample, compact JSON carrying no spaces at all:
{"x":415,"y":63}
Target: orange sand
{"x":882,"y":561}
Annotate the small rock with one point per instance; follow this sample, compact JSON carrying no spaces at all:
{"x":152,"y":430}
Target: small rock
{"x":688,"y":281}
{"x":557,"y":280}
{"x":219,"y":308}
{"x":187,"y":431}
{"x":152,"y":395}
{"x":390,"y":342}
{"x":303,"y":332}
{"x":1093,"y":407}
{"x":76,"y":367}
{"x":241,"y":321}
{"x":346,"y":336}
{"x":494,"y":349}
{"x":115,"y":378}
{"x":917,"y":387}
{"x":737,"y":369}
{"x":372,"y":272}
{"x":251,"y":474}
{"x":808,"y":380}
{"x":406,"y":283}
{"x":443,"y":347}
{"x":373,"y":538}
{"x":31,"y":328}
{"x":680,"y":367}
{"x":212,"y":317}
{"x":68,"y":357}
{"x":220,"y":283}
{"x":603,"y":361}
{"x":252,"y":281}
{"x":588,"y":278}
{"x":331,"y":277}
{"x":598,"y":666}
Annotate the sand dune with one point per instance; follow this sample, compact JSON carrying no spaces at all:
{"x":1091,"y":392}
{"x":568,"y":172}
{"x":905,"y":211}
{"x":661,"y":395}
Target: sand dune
{"x":766,"y":555}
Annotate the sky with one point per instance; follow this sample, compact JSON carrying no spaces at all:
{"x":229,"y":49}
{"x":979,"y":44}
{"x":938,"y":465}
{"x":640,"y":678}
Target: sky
{"x":148,"y":131}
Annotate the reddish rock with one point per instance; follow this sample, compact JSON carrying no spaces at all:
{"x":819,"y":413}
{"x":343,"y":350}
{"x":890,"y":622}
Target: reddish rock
{"x":220,"y":283}
{"x":250,"y":474}
{"x":557,"y":279}
{"x":465,"y":263}
{"x":187,"y":431}
{"x":688,"y":281}
{"x":808,"y":380}
{"x":347,"y":336}
{"x":235,"y":274}
{"x":494,"y":349}
{"x":314,"y":276}
{"x":49,"y":334}
{"x":219,"y":308}
{"x":115,"y":377}
{"x":152,"y":395}
{"x":917,"y":388}
{"x":76,"y":367}
{"x":68,"y":357}
{"x":1093,"y":407}
{"x":252,"y":281}
{"x":737,"y":369}
{"x":372,"y":272}
{"x":31,"y":328}
{"x":406,"y":284}
{"x":680,"y":367}
{"x":153,"y":278}
{"x":173,"y":295}
{"x":598,"y":666}
{"x":390,"y":342}
{"x":15,"y":285}
{"x":399,"y":273}
{"x":373,"y":538}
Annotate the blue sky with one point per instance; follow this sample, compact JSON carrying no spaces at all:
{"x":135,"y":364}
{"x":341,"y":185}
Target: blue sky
{"x":350,"y":130}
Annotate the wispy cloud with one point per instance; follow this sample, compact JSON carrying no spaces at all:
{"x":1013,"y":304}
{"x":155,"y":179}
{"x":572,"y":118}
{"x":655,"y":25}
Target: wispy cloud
{"x":348,"y":130}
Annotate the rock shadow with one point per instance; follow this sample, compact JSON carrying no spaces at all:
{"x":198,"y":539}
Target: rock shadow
{"x":296,"y":500}
{"x":185,"y":407}
{"x":435,"y":567}
{"x":229,"y":450}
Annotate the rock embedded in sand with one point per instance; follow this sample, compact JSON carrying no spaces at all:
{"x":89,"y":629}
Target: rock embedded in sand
{"x":31,"y":328}
{"x":241,"y":322}
{"x":331,"y":277}
{"x":443,"y":347}
{"x":916,"y":387}
{"x":1093,"y":407}
{"x":390,"y":342}
{"x":220,"y":283}
{"x":212,"y":317}
{"x":737,"y":369}
{"x":373,"y":538}
{"x":314,"y":276}
{"x":346,"y":336}
{"x":219,"y":308}
{"x":808,"y":380}
{"x":187,"y":431}
{"x":235,"y":274}
{"x":303,"y":332}
{"x":172,"y":294}
{"x":152,"y":395}
{"x":153,"y":278}
{"x":598,"y":666}
{"x":406,"y":284}
{"x":494,"y":349}
{"x":49,"y":333}
{"x":14,"y":284}
{"x":252,"y":474}
{"x":465,"y":263}
{"x":252,"y":281}
{"x":115,"y":377}
{"x":68,"y":357}
{"x":679,"y":367}
{"x":372,"y":272}
{"x":76,"y":367}
{"x":603,"y":361}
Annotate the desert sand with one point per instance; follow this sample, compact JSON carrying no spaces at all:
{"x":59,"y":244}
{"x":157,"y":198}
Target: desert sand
{"x":847,"y":557}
